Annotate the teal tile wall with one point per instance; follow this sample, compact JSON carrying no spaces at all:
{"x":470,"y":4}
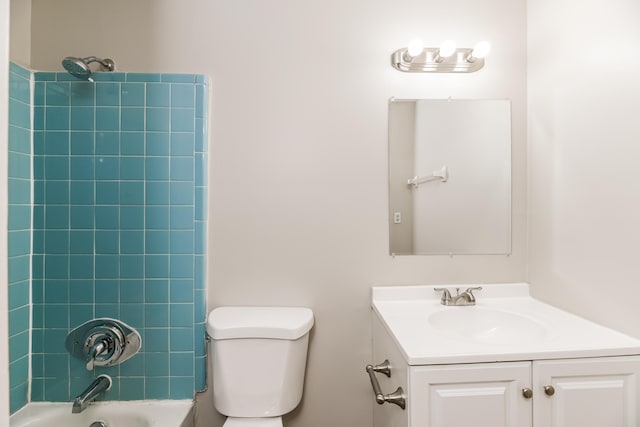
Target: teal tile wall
{"x":119,"y":224}
{"x":19,"y":245}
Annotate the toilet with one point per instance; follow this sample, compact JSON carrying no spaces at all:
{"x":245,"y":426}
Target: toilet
{"x":258,"y":357}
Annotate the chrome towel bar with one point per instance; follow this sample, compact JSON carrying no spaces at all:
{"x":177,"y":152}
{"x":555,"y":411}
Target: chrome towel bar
{"x":442,"y":175}
{"x":397,"y":397}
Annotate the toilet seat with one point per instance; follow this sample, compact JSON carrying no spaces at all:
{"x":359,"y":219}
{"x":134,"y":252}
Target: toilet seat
{"x":253,"y":422}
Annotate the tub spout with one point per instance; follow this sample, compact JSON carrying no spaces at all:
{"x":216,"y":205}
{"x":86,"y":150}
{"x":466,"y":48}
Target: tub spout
{"x":100,"y":385}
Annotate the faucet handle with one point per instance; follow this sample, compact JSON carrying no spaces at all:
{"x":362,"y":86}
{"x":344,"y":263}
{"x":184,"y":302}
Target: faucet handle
{"x":103,"y":342}
{"x":470,"y":291}
{"x":97,"y":349}
{"x":446,"y":295}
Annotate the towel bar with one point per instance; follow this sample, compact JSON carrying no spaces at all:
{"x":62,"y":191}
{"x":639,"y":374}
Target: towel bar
{"x":397,"y":397}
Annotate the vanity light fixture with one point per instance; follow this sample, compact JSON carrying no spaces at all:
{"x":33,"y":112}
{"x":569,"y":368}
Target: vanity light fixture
{"x":480,"y":50}
{"x":447,"y":48}
{"x":415,"y":58}
{"x":414,"y":48}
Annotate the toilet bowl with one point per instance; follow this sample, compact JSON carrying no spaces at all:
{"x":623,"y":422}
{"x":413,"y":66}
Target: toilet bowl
{"x":258,"y":359}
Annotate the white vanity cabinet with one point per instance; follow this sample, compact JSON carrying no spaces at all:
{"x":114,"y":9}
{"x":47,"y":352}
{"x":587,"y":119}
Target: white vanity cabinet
{"x":599,"y":392}
{"x":451,"y":380}
{"x":591,"y":392}
{"x":482,"y":394}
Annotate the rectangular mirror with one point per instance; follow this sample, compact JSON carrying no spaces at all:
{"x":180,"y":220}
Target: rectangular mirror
{"x":449,"y":176}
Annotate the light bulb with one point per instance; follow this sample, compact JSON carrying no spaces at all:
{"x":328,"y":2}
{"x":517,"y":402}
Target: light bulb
{"x":447,"y":48}
{"x":481,"y":49}
{"x":415,"y":47}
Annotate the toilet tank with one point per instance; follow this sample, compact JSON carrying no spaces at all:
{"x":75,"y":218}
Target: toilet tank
{"x":258,"y":357}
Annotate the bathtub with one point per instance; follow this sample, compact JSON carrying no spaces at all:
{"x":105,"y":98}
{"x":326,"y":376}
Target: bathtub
{"x":144,"y":413}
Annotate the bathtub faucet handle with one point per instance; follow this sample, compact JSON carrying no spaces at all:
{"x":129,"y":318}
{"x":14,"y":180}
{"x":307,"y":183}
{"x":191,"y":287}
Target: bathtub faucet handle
{"x":99,"y":348}
{"x":103,"y":342}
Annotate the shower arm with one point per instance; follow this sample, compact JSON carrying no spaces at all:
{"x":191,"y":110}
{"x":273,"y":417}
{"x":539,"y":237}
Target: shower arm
{"x":107,"y":64}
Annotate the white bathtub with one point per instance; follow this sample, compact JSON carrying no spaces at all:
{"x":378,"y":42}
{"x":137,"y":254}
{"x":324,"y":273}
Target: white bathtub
{"x":144,"y":413}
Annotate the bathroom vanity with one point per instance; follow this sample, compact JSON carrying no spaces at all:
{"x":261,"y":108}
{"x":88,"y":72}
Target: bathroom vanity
{"x":507,"y":361}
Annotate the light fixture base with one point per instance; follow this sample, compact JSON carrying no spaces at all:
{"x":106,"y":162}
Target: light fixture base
{"x":426,"y":61}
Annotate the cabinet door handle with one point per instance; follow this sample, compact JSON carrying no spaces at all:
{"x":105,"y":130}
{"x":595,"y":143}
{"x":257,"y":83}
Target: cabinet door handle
{"x":549,"y":390}
{"x":397,"y":397}
{"x":527,"y":393}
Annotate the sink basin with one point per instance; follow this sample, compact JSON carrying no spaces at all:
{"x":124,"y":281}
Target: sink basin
{"x":486,"y":325}
{"x":506,"y":324}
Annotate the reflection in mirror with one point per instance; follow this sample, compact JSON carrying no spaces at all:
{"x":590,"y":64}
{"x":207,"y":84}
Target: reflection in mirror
{"x":449,"y":176}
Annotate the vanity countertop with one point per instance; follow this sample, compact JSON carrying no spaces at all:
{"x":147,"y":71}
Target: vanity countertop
{"x":506,"y":324}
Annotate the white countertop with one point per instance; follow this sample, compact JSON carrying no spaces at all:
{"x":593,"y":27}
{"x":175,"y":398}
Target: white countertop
{"x":428,"y":332}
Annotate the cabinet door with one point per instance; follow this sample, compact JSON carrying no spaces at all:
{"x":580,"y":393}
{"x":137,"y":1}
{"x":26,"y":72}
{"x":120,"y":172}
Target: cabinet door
{"x":480,"y":394}
{"x":601,"y":392}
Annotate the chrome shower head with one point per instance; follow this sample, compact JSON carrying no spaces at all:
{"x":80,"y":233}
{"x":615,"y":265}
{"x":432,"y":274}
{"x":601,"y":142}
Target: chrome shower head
{"x":79,"y":67}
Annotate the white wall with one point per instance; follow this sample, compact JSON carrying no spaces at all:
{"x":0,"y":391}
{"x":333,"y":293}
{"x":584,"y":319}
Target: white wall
{"x":299,"y":131}
{"x":584,"y":157}
{"x":4,"y":226}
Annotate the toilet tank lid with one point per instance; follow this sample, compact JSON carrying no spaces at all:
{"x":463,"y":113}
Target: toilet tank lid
{"x":285,"y":323}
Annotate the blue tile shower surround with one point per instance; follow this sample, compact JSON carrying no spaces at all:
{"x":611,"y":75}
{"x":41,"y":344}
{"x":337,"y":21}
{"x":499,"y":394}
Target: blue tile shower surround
{"x":119,"y":224}
{"x":119,"y":228}
{"x":19,"y":244}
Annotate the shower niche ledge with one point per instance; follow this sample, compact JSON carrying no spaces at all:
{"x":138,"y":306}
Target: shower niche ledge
{"x":506,"y":360}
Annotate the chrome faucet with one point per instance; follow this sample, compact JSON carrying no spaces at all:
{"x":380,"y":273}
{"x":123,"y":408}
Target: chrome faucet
{"x":99,"y":386}
{"x":103,"y":342}
{"x":460,"y":299}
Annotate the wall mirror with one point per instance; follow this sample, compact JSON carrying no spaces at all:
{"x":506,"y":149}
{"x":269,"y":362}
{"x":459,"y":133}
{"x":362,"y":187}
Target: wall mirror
{"x":449,"y":176}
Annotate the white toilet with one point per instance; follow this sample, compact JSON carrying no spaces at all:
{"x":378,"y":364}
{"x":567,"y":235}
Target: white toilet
{"x":258,"y":357}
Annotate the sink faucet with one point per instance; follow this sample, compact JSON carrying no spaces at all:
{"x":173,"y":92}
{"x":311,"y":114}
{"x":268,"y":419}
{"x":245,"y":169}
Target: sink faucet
{"x":460,"y":299}
{"x":100,"y":385}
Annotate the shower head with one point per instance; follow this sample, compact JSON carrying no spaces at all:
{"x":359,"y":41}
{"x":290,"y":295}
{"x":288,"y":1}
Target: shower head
{"x":79,"y":67}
